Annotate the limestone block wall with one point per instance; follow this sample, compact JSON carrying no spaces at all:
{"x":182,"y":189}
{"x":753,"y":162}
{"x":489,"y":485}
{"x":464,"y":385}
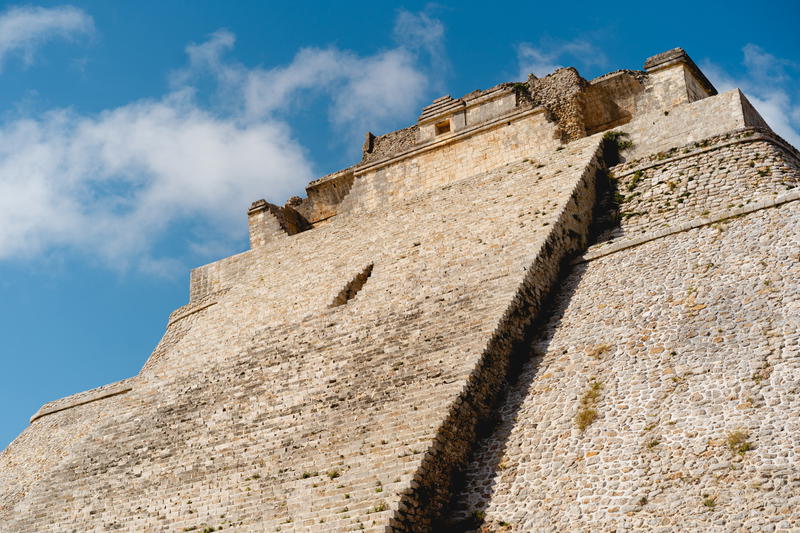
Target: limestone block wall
{"x":702,"y":179}
{"x":660,"y":130}
{"x":486,"y":107}
{"x":653,"y":129}
{"x":49,"y":441}
{"x":486,"y":147}
{"x":670,"y":87}
{"x":182,"y":320}
{"x":325,"y":195}
{"x":675,"y":79}
{"x":694,"y":89}
{"x":680,"y":355}
{"x":490,"y":146}
{"x":264,"y":408}
{"x":425,"y":501}
{"x":84,"y":397}
{"x":394,"y":142}
{"x":495,"y":126}
{"x":667,"y":88}
{"x":219,"y":275}
{"x":613,"y":99}
{"x":264,"y":225}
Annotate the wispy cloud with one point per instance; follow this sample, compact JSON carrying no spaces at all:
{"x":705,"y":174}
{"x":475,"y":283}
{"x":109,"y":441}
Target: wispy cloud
{"x":422,"y":32}
{"x":109,"y":185}
{"x":363,"y":92}
{"x":24,"y":29}
{"x":770,"y":83}
{"x":548,"y":55}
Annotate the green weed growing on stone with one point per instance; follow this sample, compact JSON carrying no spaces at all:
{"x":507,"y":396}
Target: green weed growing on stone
{"x":379,"y":508}
{"x":585,"y":417}
{"x":587,"y":412}
{"x":619,"y":138}
{"x":738,"y":443}
{"x":599,"y":350}
{"x":635,"y":179}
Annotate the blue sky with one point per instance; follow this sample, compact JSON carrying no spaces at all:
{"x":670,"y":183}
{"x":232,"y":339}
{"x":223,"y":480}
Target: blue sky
{"x":135,"y":135}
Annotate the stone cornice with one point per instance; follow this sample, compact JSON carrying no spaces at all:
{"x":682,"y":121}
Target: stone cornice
{"x":765,"y":203}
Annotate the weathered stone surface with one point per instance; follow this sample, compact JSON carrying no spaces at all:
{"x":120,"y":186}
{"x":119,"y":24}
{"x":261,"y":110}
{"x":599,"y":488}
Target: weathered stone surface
{"x":269,"y":406}
{"x":693,"y":337}
{"x":391,"y":332}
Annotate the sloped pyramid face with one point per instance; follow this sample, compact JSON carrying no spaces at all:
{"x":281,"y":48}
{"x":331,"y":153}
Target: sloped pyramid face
{"x":269,"y":405}
{"x":385,"y":357}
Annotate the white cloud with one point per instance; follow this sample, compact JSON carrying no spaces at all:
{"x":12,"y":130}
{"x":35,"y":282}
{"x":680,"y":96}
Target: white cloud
{"x":534,"y":61}
{"x":110,"y":185}
{"x":23,"y":29}
{"x":364,"y":92}
{"x":420,"y":31}
{"x":549,"y":56}
{"x":765,"y":66}
{"x":769,"y":85}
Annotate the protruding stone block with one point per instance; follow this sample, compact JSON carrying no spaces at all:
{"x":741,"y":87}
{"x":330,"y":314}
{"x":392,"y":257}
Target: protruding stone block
{"x":268,"y":222}
{"x":675,"y":79}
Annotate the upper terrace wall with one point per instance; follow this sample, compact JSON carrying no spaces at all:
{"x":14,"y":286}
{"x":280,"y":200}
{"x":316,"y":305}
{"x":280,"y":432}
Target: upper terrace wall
{"x":487,"y":128}
{"x":661,"y":130}
{"x":523,"y":131}
{"x":674,"y":79}
{"x":702,"y":179}
{"x":613,"y":99}
{"x":451,"y":158}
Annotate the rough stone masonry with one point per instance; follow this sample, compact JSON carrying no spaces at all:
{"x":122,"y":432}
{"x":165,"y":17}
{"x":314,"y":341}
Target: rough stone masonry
{"x":553,"y":305}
